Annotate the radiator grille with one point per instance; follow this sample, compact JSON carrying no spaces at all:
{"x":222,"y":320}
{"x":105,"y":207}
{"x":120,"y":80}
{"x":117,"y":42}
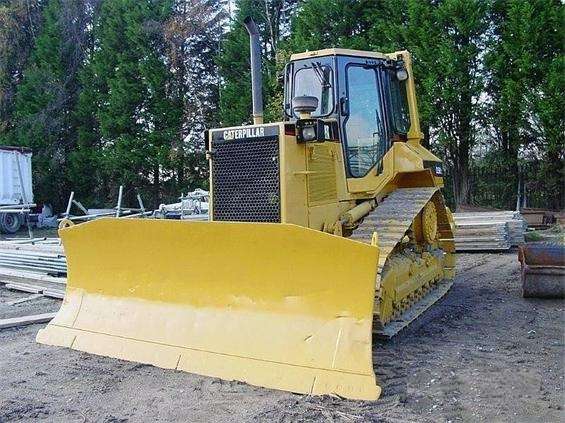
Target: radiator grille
{"x":245,"y":178}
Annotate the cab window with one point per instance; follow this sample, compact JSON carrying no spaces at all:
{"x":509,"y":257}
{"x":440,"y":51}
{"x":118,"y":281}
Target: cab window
{"x":315,"y":81}
{"x":363,"y":124}
{"x":398,"y":103}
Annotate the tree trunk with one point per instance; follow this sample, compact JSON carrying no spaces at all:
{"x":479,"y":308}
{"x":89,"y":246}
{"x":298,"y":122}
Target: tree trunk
{"x":426,"y":139}
{"x":156,"y":185}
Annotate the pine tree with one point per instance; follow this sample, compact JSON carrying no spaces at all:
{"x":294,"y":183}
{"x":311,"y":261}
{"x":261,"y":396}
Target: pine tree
{"x":20,"y":21}
{"x":47,"y":95}
{"x":447,"y":40}
{"x":273,"y":20}
{"x":510,"y":62}
{"x":192,"y":38}
{"x":128,"y":118}
{"x":547,"y":103}
{"x":120,"y":93}
{"x":323,"y":24}
{"x":549,"y":129}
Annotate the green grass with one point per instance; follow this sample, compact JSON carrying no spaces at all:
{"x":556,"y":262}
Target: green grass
{"x":533,"y":236}
{"x":555,"y":234}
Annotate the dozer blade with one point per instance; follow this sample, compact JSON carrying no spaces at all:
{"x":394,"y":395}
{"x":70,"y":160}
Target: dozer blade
{"x":274,"y":305}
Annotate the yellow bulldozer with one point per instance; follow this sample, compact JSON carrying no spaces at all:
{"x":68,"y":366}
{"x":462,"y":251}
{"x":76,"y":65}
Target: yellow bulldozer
{"x":325,"y":228}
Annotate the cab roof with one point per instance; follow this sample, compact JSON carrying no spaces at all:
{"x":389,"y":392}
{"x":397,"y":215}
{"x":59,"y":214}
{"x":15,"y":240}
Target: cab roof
{"x":341,"y":52}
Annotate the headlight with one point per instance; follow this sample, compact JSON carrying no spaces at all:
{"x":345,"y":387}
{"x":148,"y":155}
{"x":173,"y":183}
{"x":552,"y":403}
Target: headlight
{"x":401,"y":74}
{"x":309,"y":133}
{"x":310,"y":130}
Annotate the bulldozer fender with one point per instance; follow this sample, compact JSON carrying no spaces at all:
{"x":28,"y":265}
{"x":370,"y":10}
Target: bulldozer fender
{"x":273,"y":305}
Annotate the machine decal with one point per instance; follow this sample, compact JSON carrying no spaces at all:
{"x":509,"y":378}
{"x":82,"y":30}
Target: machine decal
{"x":245,"y":132}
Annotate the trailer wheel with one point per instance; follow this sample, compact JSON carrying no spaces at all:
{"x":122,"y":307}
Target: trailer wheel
{"x":10,"y":223}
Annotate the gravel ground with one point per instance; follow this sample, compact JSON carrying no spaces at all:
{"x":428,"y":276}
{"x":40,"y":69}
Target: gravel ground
{"x":482,"y":353}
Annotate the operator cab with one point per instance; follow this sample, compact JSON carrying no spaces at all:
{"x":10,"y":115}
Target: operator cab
{"x":362,"y":102}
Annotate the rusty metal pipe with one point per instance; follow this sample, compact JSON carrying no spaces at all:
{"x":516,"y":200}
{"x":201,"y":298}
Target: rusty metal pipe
{"x":357,"y":212}
{"x":256,"y":77}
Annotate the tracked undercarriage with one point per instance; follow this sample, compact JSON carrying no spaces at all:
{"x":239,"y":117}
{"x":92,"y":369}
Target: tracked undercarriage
{"x":413,"y":231}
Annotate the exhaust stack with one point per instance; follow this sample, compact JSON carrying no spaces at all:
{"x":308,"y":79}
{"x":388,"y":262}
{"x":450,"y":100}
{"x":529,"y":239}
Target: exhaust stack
{"x":256,"y":78}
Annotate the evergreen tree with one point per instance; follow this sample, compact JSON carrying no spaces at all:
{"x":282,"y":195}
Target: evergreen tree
{"x":273,"y":20}
{"x":549,"y":129}
{"x":20,"y":21}
{"x":447,"y":40}
{"x":120,"y":93}
{"x":323,"y":24}
{"x":192,"y":35}
{"x":525,"y":69}
{"x":510,"y":62}
{"x":547,"y":104}
{"x":128,"y":118}
{"x":47,"y":95}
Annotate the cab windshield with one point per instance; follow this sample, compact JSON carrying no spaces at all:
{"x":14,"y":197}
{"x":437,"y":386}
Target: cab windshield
{"x":315,"y":80}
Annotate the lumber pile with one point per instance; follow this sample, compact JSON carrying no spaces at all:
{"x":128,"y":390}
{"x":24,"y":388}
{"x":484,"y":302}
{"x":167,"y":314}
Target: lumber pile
{"x":499,"y":230}
{"x":43,"y":257}
{"x":35,"y":266}
{"x":540,"y":218}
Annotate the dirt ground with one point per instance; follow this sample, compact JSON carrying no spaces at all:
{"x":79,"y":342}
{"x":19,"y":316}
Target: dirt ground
{"x":481,"y":354}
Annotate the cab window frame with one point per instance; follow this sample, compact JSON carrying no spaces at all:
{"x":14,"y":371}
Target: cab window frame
{"x":392,"y":83}
{"x":382,"y":109}
{"x":290,"y":85}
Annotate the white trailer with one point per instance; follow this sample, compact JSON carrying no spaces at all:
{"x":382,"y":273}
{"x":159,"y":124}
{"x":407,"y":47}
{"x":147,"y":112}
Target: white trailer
{"x":16,"y":190}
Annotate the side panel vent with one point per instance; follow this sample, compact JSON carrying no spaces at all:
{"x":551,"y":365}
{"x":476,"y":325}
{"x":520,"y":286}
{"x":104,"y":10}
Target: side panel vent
{"x":322,"y":182}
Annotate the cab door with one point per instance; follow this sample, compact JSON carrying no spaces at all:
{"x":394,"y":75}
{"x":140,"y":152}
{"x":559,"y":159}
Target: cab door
{"x":364,"y":127}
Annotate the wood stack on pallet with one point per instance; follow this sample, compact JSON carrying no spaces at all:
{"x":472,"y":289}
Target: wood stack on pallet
{"x":478,"y":231}
{"x":516,"y":228}
{"x":40,"y":255}
{"x":35,"y":266}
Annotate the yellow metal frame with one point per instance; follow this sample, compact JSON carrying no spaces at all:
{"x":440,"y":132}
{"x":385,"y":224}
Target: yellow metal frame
{"x":338,"y":51}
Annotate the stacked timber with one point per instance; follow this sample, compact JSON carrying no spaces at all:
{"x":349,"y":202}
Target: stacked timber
{"x":44,"y":258}
{"x":516,"y":228}
{"x":499,"y":230}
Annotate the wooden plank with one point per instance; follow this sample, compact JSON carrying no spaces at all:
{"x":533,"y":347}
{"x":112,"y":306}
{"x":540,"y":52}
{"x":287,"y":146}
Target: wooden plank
{"x":23,"y":300}
{"x":36,"y":289}
{"x":52,"y":293}
{"x":26,"y":320}
{"x":25,"y":288}
{"x":44,"y":248}
{"x":33,"y":268}
{"x":24,"y":274}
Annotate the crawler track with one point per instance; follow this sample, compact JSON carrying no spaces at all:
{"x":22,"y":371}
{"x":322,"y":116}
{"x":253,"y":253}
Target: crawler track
{"x":391,"y":220}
